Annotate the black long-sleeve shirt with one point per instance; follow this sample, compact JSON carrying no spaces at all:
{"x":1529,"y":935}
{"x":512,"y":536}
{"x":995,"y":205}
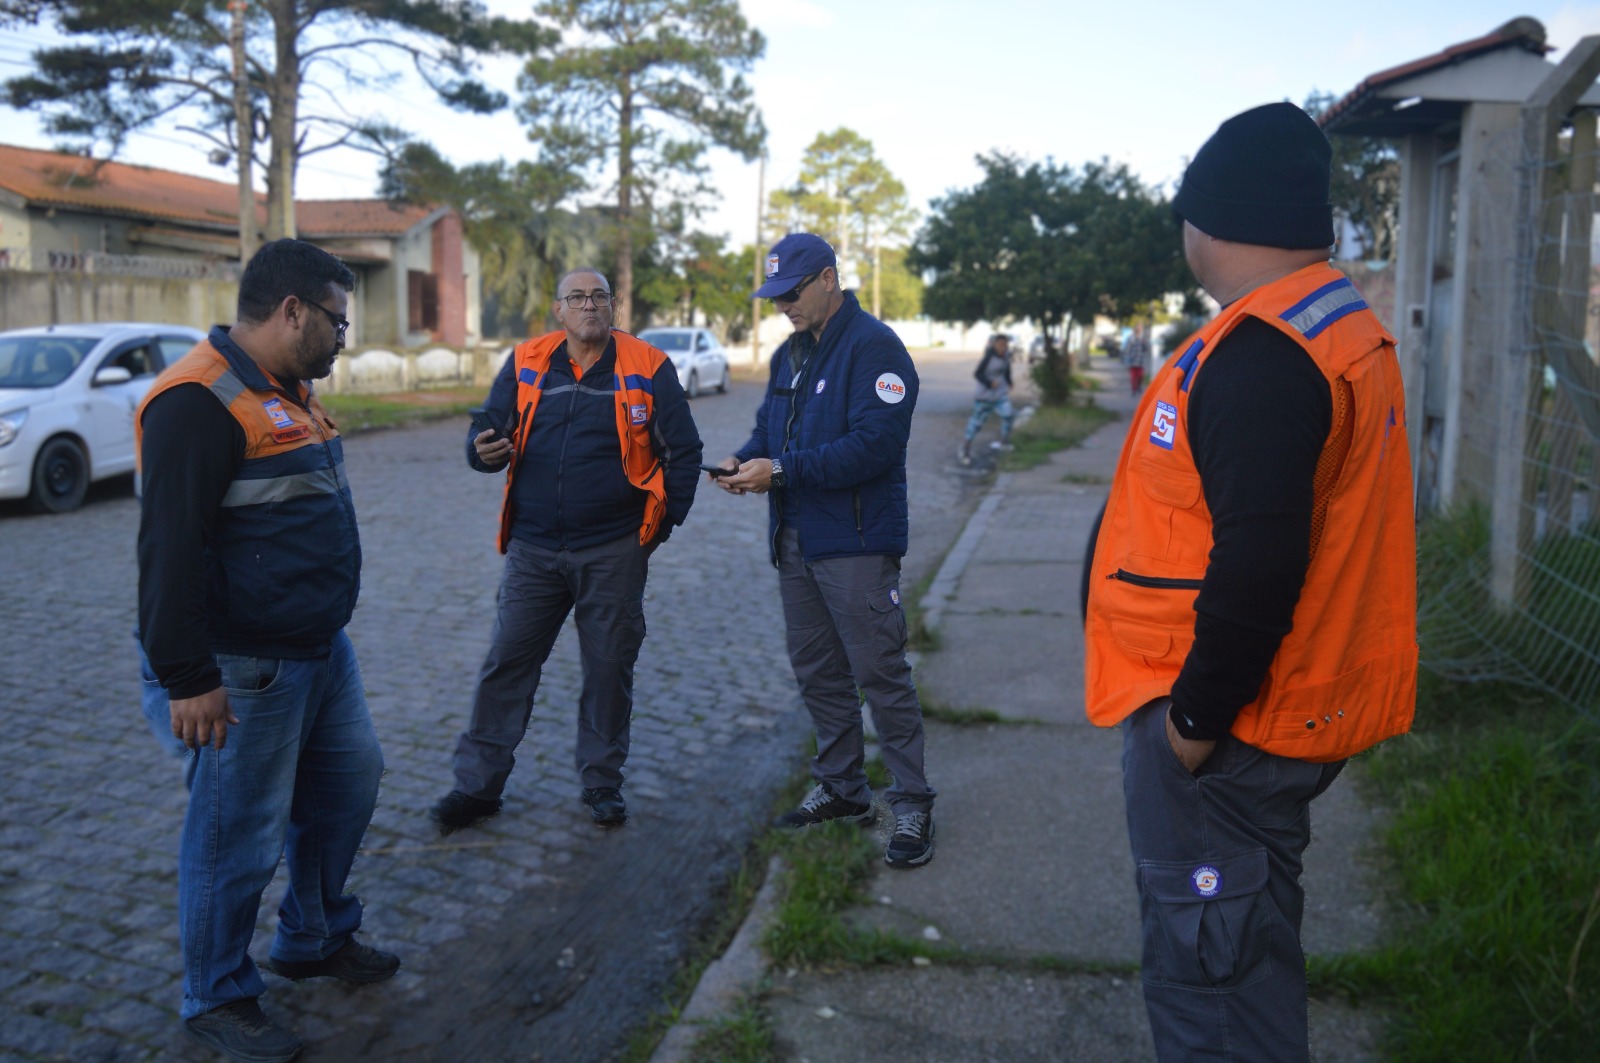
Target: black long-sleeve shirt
{"x":1259,"y":415}
{"x":191,"y":451}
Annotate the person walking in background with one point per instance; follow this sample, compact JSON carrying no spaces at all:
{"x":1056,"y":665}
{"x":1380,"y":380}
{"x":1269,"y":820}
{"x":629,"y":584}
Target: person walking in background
{"x":1136,"y":356}
{"x":994,"y":395}
{"x":1252,"y":643}
{"x":829,"y":446}
{"x":601,"y":459}
{"x":249,"y":567}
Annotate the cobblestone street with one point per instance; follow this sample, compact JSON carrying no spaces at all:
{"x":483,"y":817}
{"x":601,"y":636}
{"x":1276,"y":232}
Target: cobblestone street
{"x":538,"y":937}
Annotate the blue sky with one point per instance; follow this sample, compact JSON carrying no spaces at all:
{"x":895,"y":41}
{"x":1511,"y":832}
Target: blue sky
{"x":935,"y":82}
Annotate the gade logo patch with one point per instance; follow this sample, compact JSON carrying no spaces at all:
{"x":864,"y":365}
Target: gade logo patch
{"x":891,"y":388}
{"x":1164,"y":425}
{"x":637,"y":413}
{"x":821,"y":384}
{"x":1207,"y":880}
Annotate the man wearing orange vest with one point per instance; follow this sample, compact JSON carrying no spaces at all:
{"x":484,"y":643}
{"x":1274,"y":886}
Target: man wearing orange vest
{"x":249,"y":569}
{"x":1252,"y":602}
{"x":601,"y":458}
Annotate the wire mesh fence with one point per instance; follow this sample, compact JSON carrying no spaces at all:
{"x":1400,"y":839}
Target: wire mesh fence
{"x":1510,"y":568}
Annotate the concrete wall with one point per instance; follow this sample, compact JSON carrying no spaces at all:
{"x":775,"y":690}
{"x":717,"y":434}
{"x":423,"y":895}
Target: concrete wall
{"x":29,"y":298}
{"x":382,"y":370}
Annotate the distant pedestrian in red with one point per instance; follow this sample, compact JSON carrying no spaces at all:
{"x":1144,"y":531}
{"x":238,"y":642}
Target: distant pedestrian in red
{"x":1136,"y":356}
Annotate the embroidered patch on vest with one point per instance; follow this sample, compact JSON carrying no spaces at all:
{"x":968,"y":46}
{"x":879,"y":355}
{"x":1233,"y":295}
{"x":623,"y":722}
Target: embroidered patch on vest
{"x":637,"y":413}
{"x":289,"y":435}
{"x":279,"y":415}
{"x":1206,"y":880}
{"x":891,"y":388}
{"x":1164,"y":425}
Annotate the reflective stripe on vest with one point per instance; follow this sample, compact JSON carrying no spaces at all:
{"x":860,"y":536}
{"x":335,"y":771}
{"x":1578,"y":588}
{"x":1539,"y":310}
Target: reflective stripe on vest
{"x":1344,"y":678}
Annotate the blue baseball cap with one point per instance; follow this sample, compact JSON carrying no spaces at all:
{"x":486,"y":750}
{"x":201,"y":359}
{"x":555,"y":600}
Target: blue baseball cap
{"x":793,"y":259}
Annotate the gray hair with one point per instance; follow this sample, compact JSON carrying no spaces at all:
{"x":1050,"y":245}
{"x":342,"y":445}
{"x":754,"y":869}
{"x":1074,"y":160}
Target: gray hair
{"x":571,"y":273}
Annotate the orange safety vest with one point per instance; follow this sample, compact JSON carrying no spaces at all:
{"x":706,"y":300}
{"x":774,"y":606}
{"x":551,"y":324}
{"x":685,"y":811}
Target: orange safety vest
{"x":637,"y":363}
{"x":1344,"y":678}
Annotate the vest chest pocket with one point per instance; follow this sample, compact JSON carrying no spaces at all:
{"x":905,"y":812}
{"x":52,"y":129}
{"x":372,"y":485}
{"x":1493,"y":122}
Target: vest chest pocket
{"x":1175,"y":487}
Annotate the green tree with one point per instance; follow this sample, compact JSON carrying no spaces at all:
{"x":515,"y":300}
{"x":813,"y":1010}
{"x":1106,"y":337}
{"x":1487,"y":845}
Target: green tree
{"x":513,"y":216}
{"x":1366,"y":186}
{"x":899,"y":290}
{"x":133,"y":64}
{"x":1049,"y":244}
{"x":848,"y":196}
{"x":643,"y":84}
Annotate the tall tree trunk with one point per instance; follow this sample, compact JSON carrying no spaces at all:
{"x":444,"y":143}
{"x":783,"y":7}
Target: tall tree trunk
{"x":244,"y":131}
{"x":622,"y":290}
{"x":282,"y":125}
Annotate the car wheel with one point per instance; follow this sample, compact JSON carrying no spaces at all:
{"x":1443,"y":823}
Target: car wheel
{"x":693,"y":387}
{"x":60,"y":477}
{"x":722,"y":388}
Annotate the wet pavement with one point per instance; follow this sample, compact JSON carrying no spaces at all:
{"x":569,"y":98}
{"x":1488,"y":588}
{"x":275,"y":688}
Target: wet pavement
{"x":537,"y":937}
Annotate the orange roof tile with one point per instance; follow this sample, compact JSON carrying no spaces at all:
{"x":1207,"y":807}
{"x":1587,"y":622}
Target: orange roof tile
{"x":52,"y":178}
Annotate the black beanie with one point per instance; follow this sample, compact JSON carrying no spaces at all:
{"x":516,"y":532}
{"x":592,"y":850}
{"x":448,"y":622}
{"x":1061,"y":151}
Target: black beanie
{"x":1262,"y":179}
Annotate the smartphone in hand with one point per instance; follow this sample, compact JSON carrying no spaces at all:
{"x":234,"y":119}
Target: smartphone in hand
{"x":482,"y":424}
{"x":717,"y":470}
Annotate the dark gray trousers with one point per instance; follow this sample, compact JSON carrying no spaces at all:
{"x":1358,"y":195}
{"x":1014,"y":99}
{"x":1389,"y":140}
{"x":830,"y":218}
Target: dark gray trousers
{"x":847,"y":633}
{"x":605,"y":586}
{"x":1217,"y":859}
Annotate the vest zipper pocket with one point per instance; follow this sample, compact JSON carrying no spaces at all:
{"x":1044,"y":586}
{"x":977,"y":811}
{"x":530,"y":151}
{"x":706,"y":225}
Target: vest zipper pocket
{"x":855,"y":499}
{"x":1161,"y":583}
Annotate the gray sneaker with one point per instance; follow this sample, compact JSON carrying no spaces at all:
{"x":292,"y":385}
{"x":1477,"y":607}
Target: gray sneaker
{"x":240,"y":1030}
{"x":911,"y":844}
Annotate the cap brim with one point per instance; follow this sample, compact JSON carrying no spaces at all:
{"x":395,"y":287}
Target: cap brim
{"x":777,"y":286}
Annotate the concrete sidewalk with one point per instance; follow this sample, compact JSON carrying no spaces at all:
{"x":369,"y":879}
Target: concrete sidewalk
{"x":1032,"y":874}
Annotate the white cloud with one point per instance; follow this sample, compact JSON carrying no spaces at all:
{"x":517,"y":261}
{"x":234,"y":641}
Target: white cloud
{"x":768,"y":15}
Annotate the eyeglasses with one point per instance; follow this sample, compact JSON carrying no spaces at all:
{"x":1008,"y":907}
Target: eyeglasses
{"x":341,"y":325}
{"x":576,"y":300}
{"x":793,"y":294}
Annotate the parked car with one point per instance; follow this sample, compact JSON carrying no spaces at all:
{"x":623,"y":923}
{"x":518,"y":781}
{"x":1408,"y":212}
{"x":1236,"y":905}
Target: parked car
{"x":67,"y":397}
{"x":696,"y":354}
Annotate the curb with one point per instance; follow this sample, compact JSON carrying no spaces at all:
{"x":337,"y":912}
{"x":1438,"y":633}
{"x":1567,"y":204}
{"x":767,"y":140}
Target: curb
{"x":943,"y":588}
{"x":734,"y":974}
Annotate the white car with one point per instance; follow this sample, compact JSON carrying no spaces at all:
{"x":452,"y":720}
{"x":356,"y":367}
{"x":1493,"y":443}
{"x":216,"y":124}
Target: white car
{"x":67,"y":397}
{"x":696,"y":354}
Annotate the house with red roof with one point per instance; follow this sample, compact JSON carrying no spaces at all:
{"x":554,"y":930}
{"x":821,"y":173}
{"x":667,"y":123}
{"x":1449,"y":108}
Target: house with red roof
{"x":416,"y":279}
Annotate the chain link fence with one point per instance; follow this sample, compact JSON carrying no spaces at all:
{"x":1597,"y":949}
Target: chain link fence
{"x":1510,"y":572}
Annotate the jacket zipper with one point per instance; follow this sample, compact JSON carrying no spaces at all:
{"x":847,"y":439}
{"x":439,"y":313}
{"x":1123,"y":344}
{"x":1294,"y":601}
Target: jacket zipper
{"x":1163,"y":583}
{"x":855,"y":498}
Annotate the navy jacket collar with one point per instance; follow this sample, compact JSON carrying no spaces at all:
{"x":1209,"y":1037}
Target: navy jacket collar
{"x":243,"y":366}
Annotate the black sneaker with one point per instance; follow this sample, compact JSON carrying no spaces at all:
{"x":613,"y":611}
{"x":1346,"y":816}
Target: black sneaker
{"x":355,"y":963}
{"x":606,"y":805}
{"x":240,"y":1029}
{"x":821,"y":805}
{"x":458,"y":811}
{"x":911,"y":844}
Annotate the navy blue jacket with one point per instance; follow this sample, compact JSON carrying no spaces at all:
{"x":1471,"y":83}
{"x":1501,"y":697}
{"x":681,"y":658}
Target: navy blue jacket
{"x":840,"y":431}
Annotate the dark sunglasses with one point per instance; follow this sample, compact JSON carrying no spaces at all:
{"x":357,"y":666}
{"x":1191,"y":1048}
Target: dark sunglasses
{"x":793,"y":294}
{"x":340,"y":324}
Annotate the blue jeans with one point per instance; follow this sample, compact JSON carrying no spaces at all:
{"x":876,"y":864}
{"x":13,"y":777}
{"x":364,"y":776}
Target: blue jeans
{"x":298,"y":777}
{"x":982,"y":408}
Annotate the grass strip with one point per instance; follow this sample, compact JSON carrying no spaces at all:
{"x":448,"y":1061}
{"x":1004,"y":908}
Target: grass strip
{"x":745,"y":1036}
{"x":359,"y":413}
{"x":1050,"y":429}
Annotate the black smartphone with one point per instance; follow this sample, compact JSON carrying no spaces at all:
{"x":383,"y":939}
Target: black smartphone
{"x":717,"y":470}
{"x":482,"y":424}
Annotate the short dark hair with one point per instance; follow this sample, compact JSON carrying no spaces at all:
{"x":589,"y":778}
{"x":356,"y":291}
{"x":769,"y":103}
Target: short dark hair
{"x":288,"y":267}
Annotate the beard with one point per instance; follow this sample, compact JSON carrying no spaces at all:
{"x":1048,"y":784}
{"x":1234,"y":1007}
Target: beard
{"x":313,"y":360}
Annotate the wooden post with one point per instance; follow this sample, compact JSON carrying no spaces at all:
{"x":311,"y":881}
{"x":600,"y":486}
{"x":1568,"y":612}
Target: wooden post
{"x":244,"y":130}
{"x":757,"y":275}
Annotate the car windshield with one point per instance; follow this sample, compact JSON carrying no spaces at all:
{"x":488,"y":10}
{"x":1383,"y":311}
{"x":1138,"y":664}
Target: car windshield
{"x":40,"y":361}
{"x":666,"y":341}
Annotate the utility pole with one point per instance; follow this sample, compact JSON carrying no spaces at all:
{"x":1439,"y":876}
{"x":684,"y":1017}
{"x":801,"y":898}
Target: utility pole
{"x":244,"y":130}
{"x":760,"y":253}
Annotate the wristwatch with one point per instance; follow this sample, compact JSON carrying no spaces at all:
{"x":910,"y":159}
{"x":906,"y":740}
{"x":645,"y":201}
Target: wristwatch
{"x":779,"y":477}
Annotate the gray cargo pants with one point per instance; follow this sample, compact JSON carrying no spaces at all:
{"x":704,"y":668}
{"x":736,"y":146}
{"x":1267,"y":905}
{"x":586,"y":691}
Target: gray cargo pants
{"x":605,"y":586}
{"x":1217,"y":858}
{"x":847,"y":631}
